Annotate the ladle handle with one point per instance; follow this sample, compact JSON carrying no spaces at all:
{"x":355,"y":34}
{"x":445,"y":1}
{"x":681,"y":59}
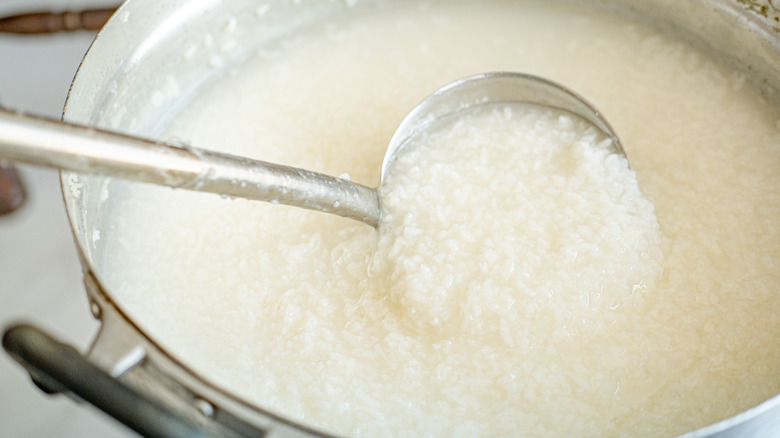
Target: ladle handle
{"x":52,"y":143}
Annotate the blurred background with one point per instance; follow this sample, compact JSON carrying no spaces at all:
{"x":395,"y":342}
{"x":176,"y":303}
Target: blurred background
{"x":40,"y":277}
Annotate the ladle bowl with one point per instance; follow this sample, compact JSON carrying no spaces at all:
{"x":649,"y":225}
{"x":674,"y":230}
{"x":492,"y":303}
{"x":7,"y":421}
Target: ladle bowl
{"x":52,"y":143}
{"x":493,"y":88}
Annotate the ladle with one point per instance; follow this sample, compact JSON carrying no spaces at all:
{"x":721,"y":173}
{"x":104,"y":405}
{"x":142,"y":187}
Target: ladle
{"x":52,"y":143}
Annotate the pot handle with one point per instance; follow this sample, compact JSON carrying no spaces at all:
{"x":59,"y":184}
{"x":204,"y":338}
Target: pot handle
{"x":59,"y":368}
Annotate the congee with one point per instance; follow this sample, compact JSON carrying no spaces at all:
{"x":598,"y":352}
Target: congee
{"x":524,"y":280}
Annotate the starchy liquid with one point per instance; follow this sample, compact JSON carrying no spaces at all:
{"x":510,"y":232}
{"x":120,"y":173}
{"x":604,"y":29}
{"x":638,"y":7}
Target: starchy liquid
{"x":524,"y":279}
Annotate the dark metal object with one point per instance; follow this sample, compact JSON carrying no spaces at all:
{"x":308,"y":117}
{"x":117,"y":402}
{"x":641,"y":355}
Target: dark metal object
{"x":50,"y":22}
{"x":59,"y":368}
{"x":12,"y":193}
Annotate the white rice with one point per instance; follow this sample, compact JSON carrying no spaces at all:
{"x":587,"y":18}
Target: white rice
{"x":508,"y":214}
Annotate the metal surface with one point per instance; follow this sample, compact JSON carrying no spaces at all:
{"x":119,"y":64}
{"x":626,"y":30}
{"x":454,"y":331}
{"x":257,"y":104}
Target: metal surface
{"x":51,"y":143}
{"x":493,"y":88}
{"x":57,"y":367}
{"x":147,"y":55}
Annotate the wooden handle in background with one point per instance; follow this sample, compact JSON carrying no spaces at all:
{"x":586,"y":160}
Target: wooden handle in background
{"x":50,"y":22}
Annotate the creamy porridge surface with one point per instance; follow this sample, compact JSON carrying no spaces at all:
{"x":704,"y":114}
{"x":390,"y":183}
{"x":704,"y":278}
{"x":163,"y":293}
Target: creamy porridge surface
{"x":524,"y":281}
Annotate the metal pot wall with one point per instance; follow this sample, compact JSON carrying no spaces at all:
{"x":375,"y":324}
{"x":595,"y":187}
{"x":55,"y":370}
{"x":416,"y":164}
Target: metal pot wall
{"x":153,"y":51}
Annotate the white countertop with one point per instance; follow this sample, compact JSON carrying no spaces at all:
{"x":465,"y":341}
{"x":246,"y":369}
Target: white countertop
{"x":40,"y":277}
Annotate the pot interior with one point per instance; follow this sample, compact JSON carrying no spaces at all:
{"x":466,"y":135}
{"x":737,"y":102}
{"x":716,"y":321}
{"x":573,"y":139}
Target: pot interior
{"x":153,"y":60}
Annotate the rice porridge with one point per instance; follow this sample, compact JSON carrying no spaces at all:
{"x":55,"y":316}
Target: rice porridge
{"x":524,"y":280}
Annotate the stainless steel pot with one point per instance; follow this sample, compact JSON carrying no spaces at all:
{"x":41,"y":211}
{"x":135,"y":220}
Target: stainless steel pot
{"x":163,"y":52}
